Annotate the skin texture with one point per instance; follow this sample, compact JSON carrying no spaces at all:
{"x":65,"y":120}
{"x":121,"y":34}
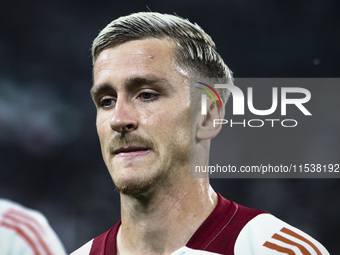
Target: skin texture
{"x":147,"y":119}
{"x":147,"y":141}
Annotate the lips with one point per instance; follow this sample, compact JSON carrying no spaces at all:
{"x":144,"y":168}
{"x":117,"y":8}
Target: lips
{"x":131,"y":151}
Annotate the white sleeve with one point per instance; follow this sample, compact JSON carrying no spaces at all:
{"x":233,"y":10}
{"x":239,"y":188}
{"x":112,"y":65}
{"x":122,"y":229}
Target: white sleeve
{"x":84,"y":250}
{"x":268,"y":235}
{"x":24,"y":232}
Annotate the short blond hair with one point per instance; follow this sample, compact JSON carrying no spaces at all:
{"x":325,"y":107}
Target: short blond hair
{"x":195,"y":48}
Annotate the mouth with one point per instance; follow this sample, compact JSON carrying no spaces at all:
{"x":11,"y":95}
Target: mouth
{"x":131,"y":151}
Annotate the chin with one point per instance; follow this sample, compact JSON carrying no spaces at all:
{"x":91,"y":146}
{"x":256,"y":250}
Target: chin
{"x":136,"y":186}
{"x":133,"y":185}
{"x":134,"y":189}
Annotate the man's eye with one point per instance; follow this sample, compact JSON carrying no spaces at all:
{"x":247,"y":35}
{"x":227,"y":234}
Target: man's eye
{"x":148,"y":96}
{"x":106,"y":102}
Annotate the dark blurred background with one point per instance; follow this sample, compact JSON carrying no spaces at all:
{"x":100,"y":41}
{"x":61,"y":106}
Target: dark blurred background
{"x":49,"y":152}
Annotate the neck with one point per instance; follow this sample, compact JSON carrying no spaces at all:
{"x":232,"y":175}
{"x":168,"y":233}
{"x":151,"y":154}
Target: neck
{"x":162,"y":221}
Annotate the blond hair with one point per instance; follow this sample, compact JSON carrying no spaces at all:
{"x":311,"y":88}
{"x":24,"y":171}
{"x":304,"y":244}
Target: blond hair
{"x":195,"y":48}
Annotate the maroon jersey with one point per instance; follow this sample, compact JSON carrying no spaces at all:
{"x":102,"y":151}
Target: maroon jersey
{"x":230,"y":229}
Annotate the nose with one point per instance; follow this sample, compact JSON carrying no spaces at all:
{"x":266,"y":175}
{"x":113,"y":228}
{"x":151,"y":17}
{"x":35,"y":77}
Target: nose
{"x":123,"y":119}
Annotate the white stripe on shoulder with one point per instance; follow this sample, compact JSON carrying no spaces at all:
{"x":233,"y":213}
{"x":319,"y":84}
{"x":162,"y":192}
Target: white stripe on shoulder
{"x":84,"y":250}
{"x":29,"y":226}
{"x":268,"y":235}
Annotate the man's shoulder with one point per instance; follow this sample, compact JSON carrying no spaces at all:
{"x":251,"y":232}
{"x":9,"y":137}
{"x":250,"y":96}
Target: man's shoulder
{"x":219,"y":231}
{"x":234,"y":228}
{"x":265,"y":234}
{"x":233,"y":216}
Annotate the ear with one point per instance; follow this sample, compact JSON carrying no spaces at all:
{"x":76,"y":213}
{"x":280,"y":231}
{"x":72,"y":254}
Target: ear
{"x":207,"y":128}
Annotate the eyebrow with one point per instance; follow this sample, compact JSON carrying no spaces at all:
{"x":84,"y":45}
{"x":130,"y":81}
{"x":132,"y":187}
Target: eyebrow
{"x":130,"y":84}
{"x":100,"y":90}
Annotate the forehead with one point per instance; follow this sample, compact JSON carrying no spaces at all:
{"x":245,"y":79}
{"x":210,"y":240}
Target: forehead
{"x":138,"y":57}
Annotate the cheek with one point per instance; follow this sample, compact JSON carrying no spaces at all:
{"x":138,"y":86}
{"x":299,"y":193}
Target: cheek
{"x":103,"y":127}
{"x":150,"y":118}
{"x":159,"y":118}
{"x":176,"y":125}
{"x":183,"y":128}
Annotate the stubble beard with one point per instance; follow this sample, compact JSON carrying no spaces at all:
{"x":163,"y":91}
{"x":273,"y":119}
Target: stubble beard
{"x":159,"y":177}
{"x":135,"y":189}
{"x":141,"y":185}
{"x":145,"y":184}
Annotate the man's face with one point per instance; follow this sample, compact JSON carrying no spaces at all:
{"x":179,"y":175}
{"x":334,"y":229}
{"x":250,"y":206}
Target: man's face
{"x":143,"y":123}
